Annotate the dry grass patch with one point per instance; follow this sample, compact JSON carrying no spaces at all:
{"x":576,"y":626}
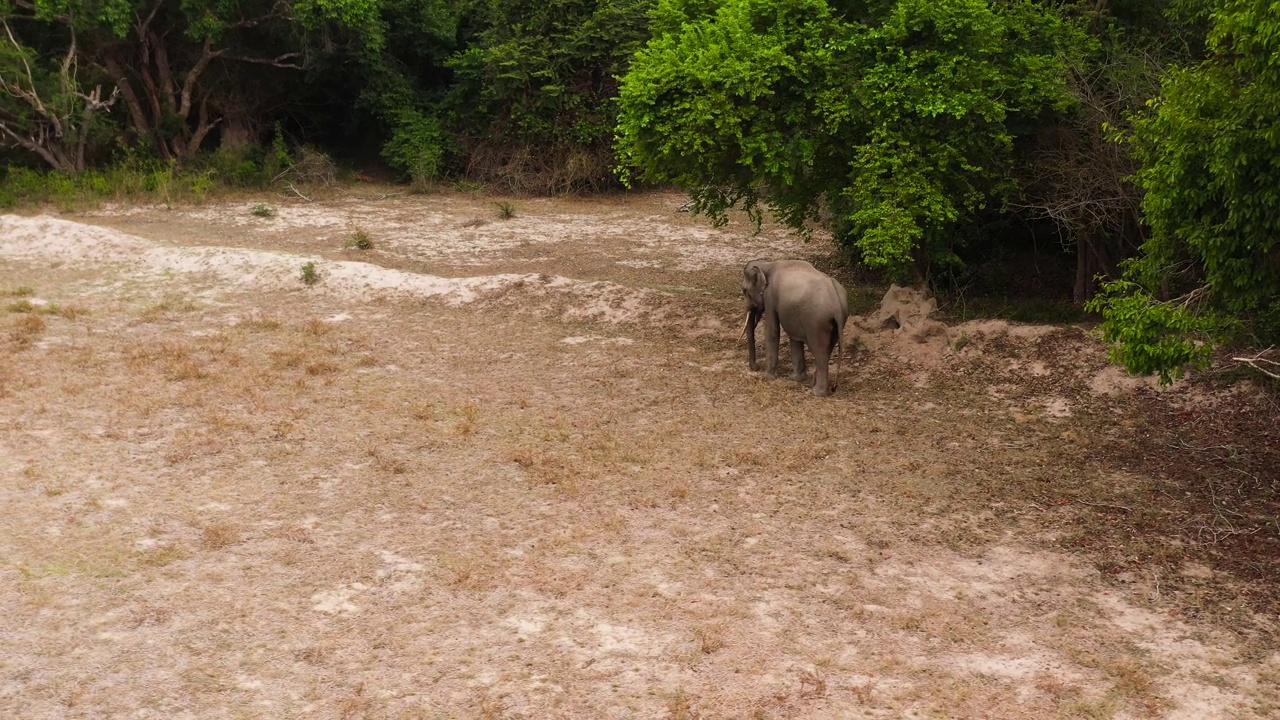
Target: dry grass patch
{"x":25,"y":330}
{"x":547,"y":468}
{"x":216,"y":536}
{"x":710,"y":638}
{"x":287,"y":358}
{"x":387,"y":460}
{"x":322,"y":367}
{"x":72,"y":312}
{"x":257,"y":323}
{"x":423,"y":412}
{"x":173,"y":360}
{"x":317,"y":327}
{"x":170,"y":306}
{"x":468,"y":415}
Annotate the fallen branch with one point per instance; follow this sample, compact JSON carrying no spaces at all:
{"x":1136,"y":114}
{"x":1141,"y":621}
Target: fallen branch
{"x":297,"y":192}
{"x":1254,"y":361}
{"x":1103,"y":505}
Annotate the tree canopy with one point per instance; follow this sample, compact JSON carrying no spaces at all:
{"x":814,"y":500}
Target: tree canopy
{"x":892,"y":122}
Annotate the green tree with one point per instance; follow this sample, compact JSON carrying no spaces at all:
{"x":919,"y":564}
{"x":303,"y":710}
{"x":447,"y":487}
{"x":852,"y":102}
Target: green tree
{"x":890,"y":122}
{"x":533,"y":104}
{"x":1211,"y":270}
{"x":381,"y":92}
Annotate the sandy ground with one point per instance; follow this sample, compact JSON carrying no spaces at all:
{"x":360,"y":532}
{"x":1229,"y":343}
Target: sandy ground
{"x":519,"y":469}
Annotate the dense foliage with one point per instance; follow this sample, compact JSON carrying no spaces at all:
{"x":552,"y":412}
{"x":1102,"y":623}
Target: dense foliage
{"x":533,"y":99}
{"x":1208,"y":151}
{"x":942,"y":139}
{"x":893,"y":122}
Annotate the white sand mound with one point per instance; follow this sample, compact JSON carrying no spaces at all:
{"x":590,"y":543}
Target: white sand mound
{"x":49,"y":239}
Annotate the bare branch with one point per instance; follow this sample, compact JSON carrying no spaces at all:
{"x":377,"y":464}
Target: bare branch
{"x":165,"y":73}
{"x":32,"y":144}
{"x":203,"y":125}
{"x":144,"y":24}
{"x":280,"y":61}
{"x":296,"y":192}
{"x":1257,"y":361}
{"x":29,"y":96}
{"x":207,"y":54}
{"x":136,"y":114}
{"x":1192,"y":298}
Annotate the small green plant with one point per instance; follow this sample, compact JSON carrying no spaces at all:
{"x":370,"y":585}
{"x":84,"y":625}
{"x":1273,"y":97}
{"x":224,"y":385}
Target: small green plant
{"x":360,"y":240}
{"x":263,"y":210}
{"x":962,"y":342}
{"x":22,"y":291}
{"x":21,"y":306}
{"x":310,"y":276}
{"x":506,"y":210}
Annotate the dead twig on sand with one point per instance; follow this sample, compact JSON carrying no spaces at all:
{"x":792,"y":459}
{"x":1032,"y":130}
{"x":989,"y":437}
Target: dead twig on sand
{"x":1103,"y":505}
{"x":1256,"y":362}
{"x":297,"y":192}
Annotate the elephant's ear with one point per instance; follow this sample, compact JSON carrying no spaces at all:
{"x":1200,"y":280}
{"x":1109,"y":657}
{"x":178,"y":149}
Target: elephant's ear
{"x":759,"y":281}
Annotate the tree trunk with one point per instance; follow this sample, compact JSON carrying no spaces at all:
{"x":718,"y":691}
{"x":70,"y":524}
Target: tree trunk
{"x":239,"y":131}
{"x":1091,"y":261}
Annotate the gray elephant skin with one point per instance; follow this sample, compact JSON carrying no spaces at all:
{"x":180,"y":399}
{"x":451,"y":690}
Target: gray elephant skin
{"x":809,"y":305}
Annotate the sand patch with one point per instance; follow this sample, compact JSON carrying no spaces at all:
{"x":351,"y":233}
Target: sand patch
{"x":46,"y":239}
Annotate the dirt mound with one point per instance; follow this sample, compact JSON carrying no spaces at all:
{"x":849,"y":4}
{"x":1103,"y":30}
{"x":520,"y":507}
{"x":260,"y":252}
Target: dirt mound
{"x":906,"y":311}
{"x":901,"y":328}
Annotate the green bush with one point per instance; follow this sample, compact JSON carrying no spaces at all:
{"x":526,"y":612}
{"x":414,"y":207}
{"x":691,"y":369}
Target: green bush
{"x":1210,"y":272}
{"x":416,"y":148}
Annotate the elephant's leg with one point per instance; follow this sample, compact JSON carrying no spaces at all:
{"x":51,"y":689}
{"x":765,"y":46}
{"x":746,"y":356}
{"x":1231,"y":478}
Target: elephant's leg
{"x":797,"y":361}
{"x":771,"y":330}
{"x":821,"y":361}
{"x":752,"y":319}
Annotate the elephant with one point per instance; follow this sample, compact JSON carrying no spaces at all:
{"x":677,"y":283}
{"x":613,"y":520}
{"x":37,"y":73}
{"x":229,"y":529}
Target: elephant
{"x":810,"y":305}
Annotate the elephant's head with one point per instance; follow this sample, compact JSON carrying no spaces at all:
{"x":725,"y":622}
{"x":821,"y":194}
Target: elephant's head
{"x":754,"y":282}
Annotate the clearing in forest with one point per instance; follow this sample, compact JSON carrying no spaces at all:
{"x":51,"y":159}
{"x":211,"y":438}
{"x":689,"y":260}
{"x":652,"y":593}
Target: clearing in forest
{"x":518,"y":468}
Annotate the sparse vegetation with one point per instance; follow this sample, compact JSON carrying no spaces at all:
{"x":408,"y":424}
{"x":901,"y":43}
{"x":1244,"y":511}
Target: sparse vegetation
{"x":263,"y":210}
{"x":552,"y":509}
{"x":506,"y":210}
{"x":360,"y":240}
{"x":26,"y":329}
{"x":310,"y":275}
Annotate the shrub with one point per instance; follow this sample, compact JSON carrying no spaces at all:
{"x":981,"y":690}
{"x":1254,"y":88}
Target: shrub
{"x":416,"y":149}
{"x":360,"y":240}
{"x":310,"y":275}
